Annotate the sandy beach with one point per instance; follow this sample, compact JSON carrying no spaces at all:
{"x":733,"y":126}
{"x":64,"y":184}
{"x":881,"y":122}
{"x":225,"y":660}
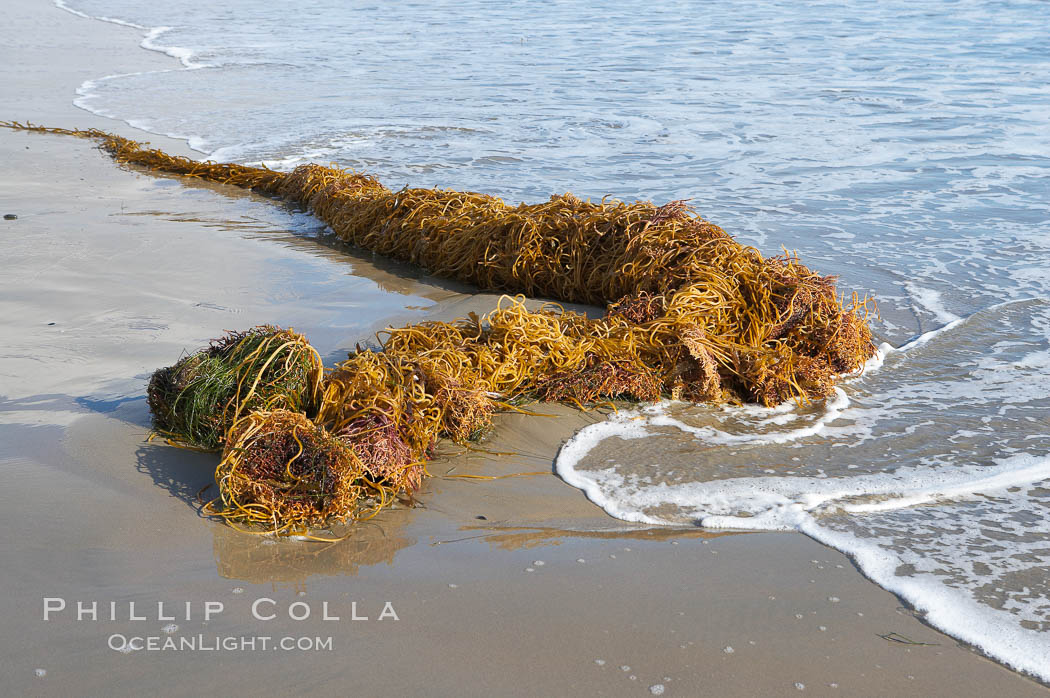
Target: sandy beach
{"x":510,"y":586}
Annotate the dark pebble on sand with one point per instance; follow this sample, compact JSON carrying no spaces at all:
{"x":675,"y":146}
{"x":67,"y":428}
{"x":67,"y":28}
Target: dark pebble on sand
{"x":10,"y":216}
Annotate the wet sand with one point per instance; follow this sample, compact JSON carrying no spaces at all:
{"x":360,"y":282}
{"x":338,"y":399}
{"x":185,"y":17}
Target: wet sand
{"x":512,"y":586}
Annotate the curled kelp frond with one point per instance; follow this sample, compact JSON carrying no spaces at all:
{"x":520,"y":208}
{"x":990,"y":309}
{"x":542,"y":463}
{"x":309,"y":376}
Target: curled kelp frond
{"x":284,"y":473}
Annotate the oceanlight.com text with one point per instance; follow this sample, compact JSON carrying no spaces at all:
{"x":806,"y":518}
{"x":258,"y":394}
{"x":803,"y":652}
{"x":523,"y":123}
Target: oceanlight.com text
{"x":217,"y":643}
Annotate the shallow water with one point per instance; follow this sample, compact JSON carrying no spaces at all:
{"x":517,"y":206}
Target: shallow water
{"x":901,"y":146}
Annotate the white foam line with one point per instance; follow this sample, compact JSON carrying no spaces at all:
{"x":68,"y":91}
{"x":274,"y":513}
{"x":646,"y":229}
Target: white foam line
{"x":925,"y":337}
{"x":577,"y":448}
{"x":85,"y":93}
{"x":1016,"y":471}
{"x":184,"y":55}
{"x":833,"y":409}
{"x":999,"y":480}
{"x":930,"y":299}
{"x":956,"y":615}
{"x":63,"y":6}
{"x":150,"y":34}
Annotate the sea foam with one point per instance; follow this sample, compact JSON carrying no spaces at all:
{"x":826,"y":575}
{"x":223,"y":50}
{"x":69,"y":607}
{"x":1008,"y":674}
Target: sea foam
{"x":956,"y":509}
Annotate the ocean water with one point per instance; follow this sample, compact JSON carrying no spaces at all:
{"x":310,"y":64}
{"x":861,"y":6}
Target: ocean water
{"x":903,"y":146}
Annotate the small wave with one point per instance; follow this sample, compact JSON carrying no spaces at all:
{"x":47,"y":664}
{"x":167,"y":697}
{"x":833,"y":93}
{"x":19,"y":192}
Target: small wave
{"x":63,"y":6}
{"x":945,"y":606}
{"x":939,"y":504}
{"x":88,"y":90}
{"x":930,"y":300}
{"x":184,"y":55}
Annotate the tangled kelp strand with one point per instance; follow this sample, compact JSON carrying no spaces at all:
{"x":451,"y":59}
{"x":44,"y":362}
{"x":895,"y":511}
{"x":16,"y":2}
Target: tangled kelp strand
{"x":281,"y":471}
{"x":380,"y":412}
{"x":692,"y":314}
{"x":566,"y":249}
{"x":389,"y":406}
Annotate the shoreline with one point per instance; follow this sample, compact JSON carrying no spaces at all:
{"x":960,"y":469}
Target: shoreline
{"x":97,"y":47}
{"x":183,"y":56}
{"x":134,"y":269}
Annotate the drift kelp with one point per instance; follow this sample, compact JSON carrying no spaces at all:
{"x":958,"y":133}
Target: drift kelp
{"x":196,"y":401}
{"x":691,"y":315}
{"x":553,"y":354}
{"x":439,"y":379}
{"x":285,"y":473}
{"x":569,"y":250}
{"x":380,"y":413}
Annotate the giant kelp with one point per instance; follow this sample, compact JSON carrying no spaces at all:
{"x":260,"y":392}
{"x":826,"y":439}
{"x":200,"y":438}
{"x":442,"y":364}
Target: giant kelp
{"x":565,"y":249}
{"x":691,"y":314}
{"x":285,"y":473}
